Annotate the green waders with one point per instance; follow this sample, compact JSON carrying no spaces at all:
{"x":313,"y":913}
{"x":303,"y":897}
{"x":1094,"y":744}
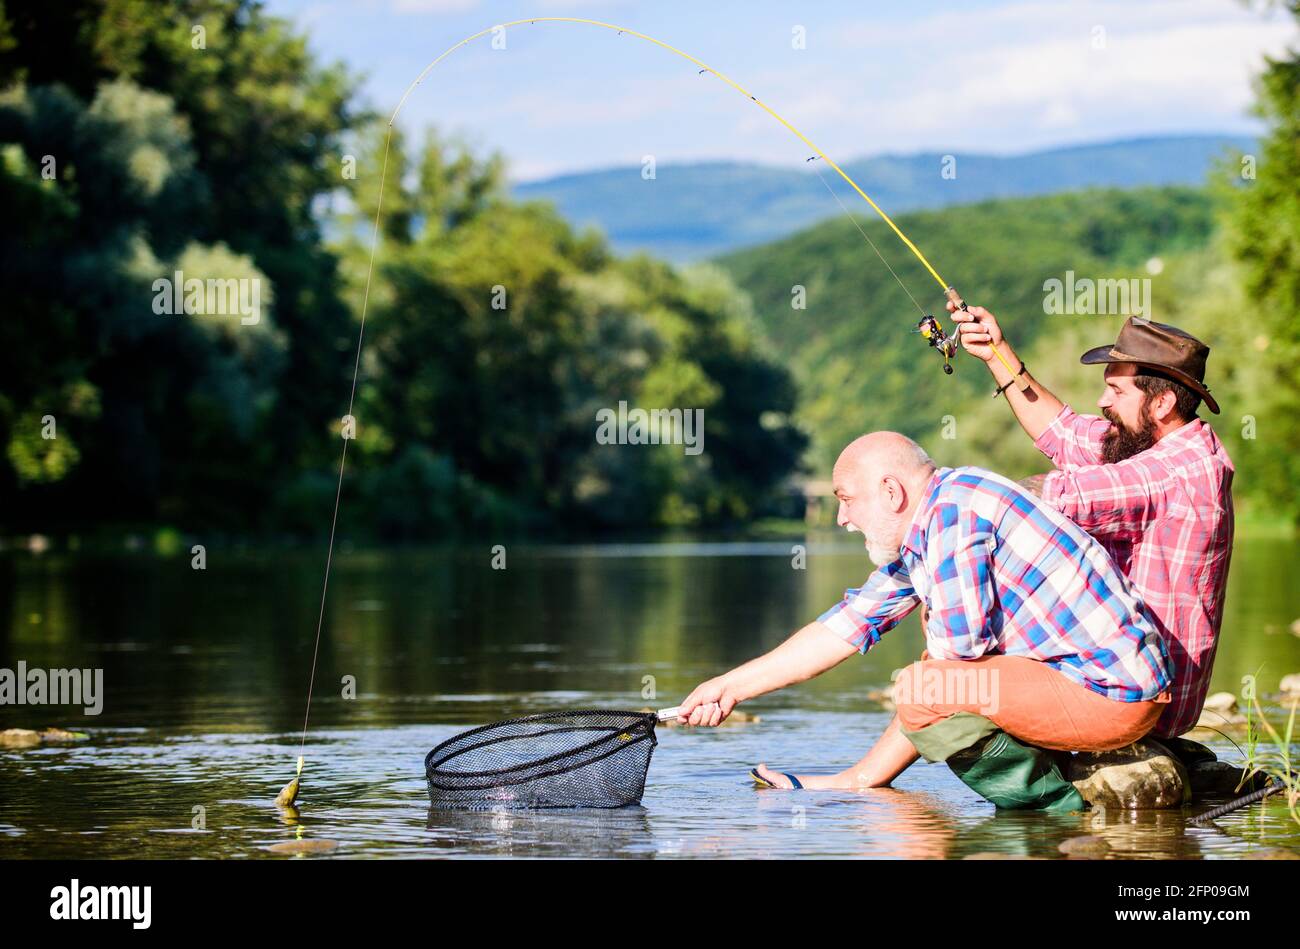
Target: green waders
{"x":996,"y":766}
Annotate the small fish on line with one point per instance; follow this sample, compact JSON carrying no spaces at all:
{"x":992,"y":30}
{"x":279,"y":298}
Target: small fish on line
{"x":289,"y":793}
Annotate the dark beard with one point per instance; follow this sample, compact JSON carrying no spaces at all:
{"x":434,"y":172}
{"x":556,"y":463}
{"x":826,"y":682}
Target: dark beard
{"x":1121,"y":442}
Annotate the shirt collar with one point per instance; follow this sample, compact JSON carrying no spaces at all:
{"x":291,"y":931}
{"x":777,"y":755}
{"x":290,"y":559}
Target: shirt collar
{"x":914,"y":539}
{"x":1182,"y":435}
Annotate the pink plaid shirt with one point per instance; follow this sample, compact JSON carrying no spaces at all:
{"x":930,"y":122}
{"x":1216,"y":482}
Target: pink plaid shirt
{"x":1165,"y":516}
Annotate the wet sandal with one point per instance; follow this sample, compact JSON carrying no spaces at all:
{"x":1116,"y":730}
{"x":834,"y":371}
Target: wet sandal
{"x":763,"y":782}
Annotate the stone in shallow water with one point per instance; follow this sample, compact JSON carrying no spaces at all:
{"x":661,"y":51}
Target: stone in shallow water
{"x":1291,"y":683}
{"x":26,"y":738}
{"x":303,"y":846}
{"x":62,"y":734}
{"x":997,"y":855}
{"x":1220,"y":712}
{"x":1224,"y":702}
{"x":19,"y":738}
{"x":885,"y":698}
{"x":1086,"y":846}
{"x":1139,"y":776}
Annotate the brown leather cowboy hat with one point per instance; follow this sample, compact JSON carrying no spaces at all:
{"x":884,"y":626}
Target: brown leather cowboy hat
{"x":1157,"y":346}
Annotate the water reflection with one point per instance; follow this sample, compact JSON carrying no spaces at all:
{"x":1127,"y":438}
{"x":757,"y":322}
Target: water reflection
{"x":621,"y":832}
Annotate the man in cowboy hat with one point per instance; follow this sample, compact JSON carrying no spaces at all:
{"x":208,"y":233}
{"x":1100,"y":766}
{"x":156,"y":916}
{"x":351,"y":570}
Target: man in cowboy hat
{"x":1150,"y":480}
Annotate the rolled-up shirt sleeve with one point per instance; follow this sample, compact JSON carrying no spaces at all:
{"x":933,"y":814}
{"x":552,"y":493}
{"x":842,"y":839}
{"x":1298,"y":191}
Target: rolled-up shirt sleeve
{"x":1072,"y":439}
{"x":1110,"y":499}
{"x":867,"y":613}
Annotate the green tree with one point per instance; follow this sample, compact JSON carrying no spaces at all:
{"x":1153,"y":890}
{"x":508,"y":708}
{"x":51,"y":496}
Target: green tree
{"x":1266,"y":239}
{"x":495,"y":335}
{"x":199,"y":134}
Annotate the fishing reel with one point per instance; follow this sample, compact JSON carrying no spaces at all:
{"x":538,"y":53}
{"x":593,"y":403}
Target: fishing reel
{"x":933,"y":333}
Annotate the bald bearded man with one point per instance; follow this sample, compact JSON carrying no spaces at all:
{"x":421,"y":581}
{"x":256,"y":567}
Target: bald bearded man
{"x":1035,"y":639}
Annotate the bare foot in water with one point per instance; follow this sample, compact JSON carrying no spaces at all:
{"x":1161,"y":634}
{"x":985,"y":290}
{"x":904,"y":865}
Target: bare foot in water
{"x":844,"y":781}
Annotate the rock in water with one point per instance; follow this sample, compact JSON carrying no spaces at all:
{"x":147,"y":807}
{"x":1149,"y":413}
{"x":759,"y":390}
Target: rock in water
{"x":19,"y":738}
{"x":1139,"y":776}
{"x":303,"y":846}
{"x":26,"y":738}
{"x":1088,"y":847}
{"x":288,"y":794}
{"x":62,"y":734}
{"x":1291,"y":683}
{"x":1224,"y":702}
{"x":1220,"y":711}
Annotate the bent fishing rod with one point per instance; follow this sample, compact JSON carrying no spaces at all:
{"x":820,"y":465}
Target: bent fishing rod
{"x":928,"y":326}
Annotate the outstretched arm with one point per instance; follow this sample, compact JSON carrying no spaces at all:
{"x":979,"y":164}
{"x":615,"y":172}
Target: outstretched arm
{"x":808,"y":653}
{"x":854,"y":624}
{"x":1035,"y":407}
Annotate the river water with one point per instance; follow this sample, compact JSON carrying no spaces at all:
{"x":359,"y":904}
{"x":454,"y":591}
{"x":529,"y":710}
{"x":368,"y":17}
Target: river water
{"x":206,"y":675}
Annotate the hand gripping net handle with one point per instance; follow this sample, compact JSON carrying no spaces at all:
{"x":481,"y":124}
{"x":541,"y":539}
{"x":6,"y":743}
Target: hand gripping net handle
{"x":664,"y":714}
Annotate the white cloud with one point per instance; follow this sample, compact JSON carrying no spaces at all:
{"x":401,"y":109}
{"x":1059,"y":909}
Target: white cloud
{"x":1164,"y":67}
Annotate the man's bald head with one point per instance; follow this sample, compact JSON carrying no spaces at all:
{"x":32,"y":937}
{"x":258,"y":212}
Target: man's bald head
{"x":868,"y":458}
{"x":879,"y":480}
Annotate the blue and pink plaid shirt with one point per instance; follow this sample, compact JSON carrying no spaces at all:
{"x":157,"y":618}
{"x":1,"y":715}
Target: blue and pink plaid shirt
{"x":1003,"y":573}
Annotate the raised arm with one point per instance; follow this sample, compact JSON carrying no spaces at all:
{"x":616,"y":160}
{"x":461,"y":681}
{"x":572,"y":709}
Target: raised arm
{"x":979,"y":332}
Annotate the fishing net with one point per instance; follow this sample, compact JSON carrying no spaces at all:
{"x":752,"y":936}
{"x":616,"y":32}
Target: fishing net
{"x":559,"y":759}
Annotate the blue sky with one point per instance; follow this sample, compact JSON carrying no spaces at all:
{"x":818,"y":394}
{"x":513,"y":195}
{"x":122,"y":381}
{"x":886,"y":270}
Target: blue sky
{"x":875,"y":77}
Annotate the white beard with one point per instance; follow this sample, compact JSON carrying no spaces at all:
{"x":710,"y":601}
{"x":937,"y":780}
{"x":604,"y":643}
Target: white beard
{"x":882,"y":556}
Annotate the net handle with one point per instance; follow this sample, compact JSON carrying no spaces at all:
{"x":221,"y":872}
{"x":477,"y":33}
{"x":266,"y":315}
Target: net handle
{"x":666,"y":713}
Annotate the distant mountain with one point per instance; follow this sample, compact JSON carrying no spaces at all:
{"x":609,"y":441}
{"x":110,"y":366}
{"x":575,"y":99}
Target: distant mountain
{"x":692,"y":211}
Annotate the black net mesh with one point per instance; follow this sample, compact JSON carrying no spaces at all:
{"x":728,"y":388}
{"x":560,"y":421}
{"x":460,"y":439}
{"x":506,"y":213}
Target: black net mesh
{"x":560,"y":759}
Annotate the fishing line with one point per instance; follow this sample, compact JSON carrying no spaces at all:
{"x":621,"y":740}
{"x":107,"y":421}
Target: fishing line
{"x":343,"y":458}
{"x":920,"y":309}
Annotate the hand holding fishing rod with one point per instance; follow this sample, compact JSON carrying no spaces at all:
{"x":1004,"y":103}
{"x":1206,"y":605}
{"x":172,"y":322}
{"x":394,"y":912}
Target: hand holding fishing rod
{"x":977,"y":328}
